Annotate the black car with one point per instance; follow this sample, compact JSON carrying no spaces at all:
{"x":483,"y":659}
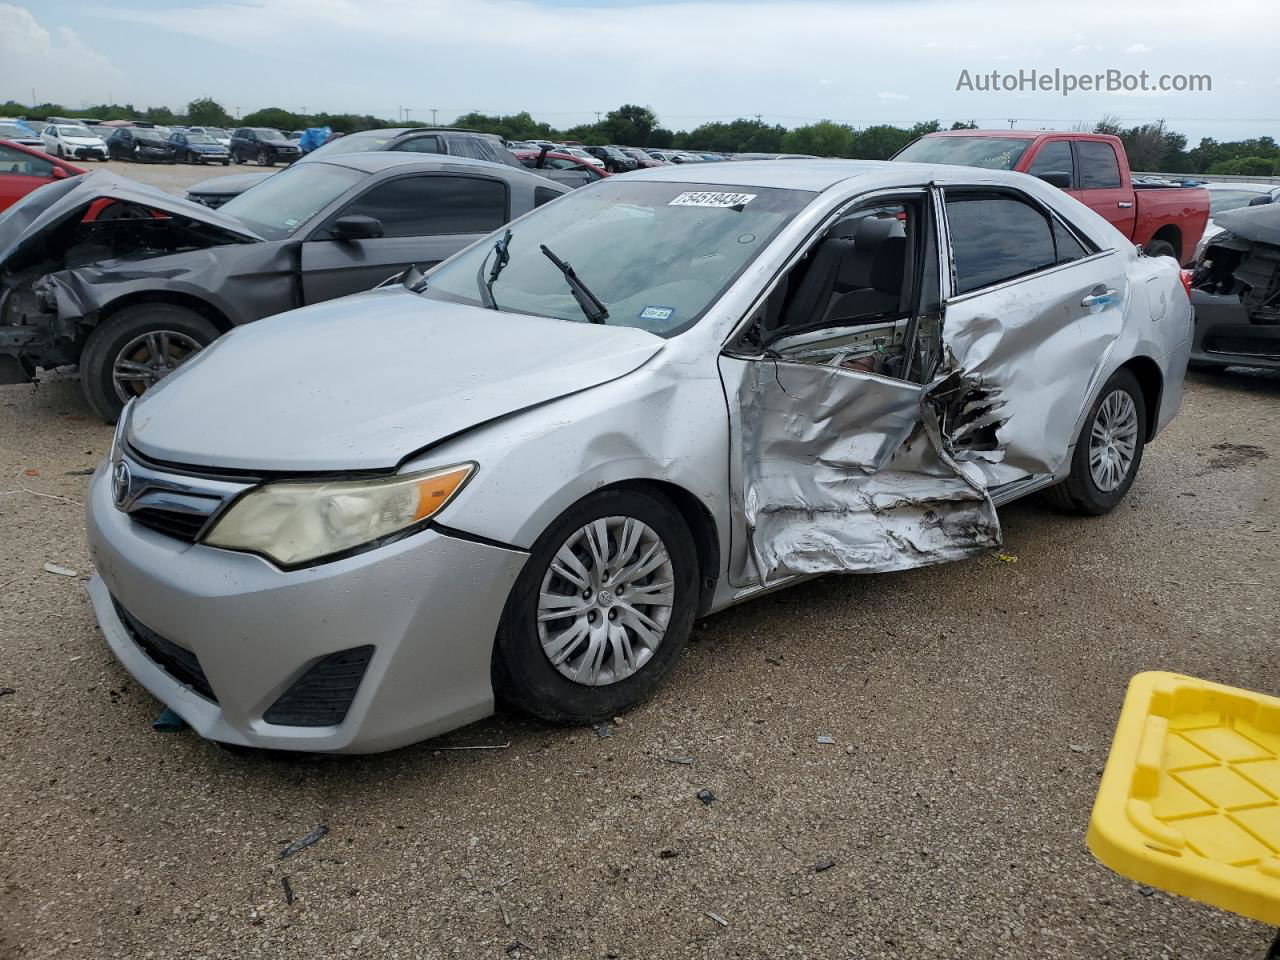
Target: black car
{"x":263,"y":145}
{"x":139,"y":144}
{"x":615,"y":161}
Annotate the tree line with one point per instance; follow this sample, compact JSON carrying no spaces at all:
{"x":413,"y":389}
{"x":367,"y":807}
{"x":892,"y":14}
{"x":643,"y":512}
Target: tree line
{"x":1151,"y":146}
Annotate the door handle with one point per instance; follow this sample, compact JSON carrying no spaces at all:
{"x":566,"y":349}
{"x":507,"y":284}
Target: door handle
{"x":1124,"y":204}
{"x":1095,"y":299}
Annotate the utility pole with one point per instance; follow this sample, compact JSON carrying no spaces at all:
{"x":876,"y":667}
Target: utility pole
{"x":407,"y":111}
{"x":1011,"y":123}
{"x":758,"y":118}
{"x":433,"y":116}
{"x":597,"y":114}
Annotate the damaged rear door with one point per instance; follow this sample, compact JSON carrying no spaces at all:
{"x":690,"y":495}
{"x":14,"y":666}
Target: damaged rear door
{"x":873,"y":410}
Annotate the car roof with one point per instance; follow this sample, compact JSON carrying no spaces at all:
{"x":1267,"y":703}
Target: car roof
{"x":816,"y":174}
{"x":375,"y":161}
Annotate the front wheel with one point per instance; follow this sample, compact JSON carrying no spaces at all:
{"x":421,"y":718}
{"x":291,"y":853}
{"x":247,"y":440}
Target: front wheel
{"x":601,"y":611}
{"x":1108,"y":451}
{"x":265,"y":159}
{"x":135,"y":349}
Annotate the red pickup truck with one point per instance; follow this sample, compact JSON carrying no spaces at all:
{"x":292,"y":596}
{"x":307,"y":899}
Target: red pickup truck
{"x":1092,"y":167}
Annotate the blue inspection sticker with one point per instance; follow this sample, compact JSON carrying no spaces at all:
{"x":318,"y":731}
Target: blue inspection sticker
{"x":657,"y":313}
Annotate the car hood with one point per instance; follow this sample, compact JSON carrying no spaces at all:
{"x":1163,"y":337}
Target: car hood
{"x":40,"y":213}
{"x":1257,"y":224}
{"x":362,"y":382}
{"x":232,"y":185}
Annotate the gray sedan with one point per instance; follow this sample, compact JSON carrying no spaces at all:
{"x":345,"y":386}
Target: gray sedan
{"x":130,"y":282}
{"x":526,"y":474}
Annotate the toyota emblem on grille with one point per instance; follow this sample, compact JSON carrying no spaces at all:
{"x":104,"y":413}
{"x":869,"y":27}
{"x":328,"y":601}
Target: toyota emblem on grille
{"x":120,"y":483}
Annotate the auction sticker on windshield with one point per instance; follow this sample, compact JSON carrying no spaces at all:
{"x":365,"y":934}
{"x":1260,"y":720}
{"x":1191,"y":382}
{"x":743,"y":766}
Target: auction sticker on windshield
{"x":712,"y":199}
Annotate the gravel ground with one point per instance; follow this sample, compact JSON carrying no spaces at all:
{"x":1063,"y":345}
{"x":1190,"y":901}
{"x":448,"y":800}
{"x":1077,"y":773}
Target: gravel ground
{"x":173,"y":178}
{"x":971,"y":707}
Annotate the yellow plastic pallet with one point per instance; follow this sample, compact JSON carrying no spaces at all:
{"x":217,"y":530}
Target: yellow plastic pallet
{"x":1190,"y":798}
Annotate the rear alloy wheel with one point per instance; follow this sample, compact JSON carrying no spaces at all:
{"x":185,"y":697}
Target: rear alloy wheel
{"x":601,"y":611}
{"x":265,"y":159}
{"x":133,"y":350}
{"x":1108,"y":450}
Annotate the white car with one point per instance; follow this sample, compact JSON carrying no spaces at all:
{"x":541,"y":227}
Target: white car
{"x":583,"y":156}
{"x":220,"y":136}
{"x":72,"y":141}
{"x":1232,"y":195}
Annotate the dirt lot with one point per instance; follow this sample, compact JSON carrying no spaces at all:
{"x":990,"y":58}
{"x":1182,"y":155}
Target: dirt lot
{"x":175,"y":178}
{"x":971,"y":707}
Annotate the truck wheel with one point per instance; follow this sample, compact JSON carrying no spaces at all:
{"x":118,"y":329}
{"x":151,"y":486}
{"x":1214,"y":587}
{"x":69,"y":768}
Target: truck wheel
{"x":1108,"y":451}
{"x":601,"y":610}
{"x":1161,"y":248}
{"x":136,"y":348}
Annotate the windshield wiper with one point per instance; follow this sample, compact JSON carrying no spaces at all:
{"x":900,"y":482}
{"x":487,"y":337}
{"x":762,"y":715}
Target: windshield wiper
{"x":591,"y":305}
{"x":500,"y":261}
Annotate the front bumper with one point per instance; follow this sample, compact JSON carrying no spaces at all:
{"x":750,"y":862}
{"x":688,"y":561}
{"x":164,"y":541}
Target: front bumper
{"x":86,"y":153}
{"x":1224,"y":335}
{"x":428,"y":604}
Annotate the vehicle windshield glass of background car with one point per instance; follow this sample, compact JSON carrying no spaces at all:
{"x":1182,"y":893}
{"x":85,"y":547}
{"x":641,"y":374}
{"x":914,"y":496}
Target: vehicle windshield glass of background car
{"x":281,"y":203}
{"x":990,"y":153}
{"x":73,"y":131}
{"x":655,"y":254}
{"x":201,"y":138}
{"x":155,"y":136}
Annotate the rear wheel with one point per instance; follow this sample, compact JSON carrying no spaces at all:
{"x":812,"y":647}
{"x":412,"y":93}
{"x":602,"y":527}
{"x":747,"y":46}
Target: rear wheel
{"x":601,"y":611}
{"x":1108,"y":451}
{"x":135,"y":349}
{"x":1161,"y":248}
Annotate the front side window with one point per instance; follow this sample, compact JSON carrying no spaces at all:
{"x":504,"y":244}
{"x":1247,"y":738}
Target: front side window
{"x":434,"y":206}
{"x":1054,"y":157}
{"x":657,"y":255}
{"x":277,"y":206}
{"x":997,"y":238}
{"x":1099,"y":168}
{"x":989,"y":153}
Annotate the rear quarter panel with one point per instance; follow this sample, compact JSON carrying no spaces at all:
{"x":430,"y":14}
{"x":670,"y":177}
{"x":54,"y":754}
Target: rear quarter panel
{"x":1185,"y":209}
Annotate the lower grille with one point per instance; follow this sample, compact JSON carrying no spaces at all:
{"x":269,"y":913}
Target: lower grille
{"x":1243,"y":345}
{"x":322,"y":696}
{"x":181,"y":526}
{"x":178,"y":662}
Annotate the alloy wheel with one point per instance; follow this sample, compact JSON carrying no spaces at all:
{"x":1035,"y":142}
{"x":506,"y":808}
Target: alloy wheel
{"x":1113,"y":441}
{"x":605,"y":601}
{"x":148,"y":358}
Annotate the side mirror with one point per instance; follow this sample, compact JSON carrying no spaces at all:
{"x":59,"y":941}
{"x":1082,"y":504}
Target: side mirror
{"x":1260,"y":200}
{"x":357,"y":227}
{"x":1056,"y":178}
{"x":59,"y":173}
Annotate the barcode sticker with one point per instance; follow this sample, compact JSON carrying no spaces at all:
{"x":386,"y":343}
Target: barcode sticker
{"x":708,"y":199}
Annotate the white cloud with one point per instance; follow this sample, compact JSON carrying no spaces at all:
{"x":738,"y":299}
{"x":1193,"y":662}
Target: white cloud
{"x":891,"y":95}
{"x":56,"y":63}
{"x":1137,"y":48}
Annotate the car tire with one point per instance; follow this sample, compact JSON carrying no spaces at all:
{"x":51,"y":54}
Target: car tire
{"x":226,"y":163}
{"x":1116,"y":421}
{"x":265,"y":159}
{"x":523,"y":672}
{"x":1161,"y":248}
{"x":237,"y":158}
{"x":119,"y":334}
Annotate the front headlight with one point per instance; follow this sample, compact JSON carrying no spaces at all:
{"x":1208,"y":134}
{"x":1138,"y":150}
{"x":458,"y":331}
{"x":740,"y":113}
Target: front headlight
{"x":295,"y":523}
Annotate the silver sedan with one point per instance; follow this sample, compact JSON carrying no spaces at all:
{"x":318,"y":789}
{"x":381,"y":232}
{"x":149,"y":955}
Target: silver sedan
{"x":524,"y":476}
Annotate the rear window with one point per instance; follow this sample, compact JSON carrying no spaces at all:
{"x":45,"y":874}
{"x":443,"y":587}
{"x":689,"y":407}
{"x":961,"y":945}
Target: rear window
{"x":1099,"y":168}
{"x":989,"y":153}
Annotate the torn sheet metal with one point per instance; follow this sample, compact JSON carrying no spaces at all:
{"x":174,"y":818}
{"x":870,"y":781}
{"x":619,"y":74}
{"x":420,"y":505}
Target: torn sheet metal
{"x":840,"y":475}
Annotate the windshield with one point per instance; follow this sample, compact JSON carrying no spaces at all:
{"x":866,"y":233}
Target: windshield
{"x":200,"y":138}
{"x":656,"y":254}
{"x":148,"y":135}
{"x":75,"y":132}
{"x":1220,"y":201}
{"x":989,"y":153}
{"x":280,"y":204}
{"x":266,"y":133}
{"x":217,"y":133}
{"x":13,"y":131}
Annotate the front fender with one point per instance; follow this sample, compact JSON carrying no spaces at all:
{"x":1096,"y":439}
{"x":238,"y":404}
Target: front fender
{"x":654,"y":424}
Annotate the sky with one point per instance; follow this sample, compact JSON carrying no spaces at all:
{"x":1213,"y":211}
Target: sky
{"x":791,"y":61}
